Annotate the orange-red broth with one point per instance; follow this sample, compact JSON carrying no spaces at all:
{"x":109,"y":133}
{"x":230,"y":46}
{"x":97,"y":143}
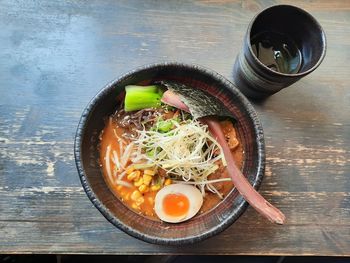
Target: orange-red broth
{"x":109,"y":137}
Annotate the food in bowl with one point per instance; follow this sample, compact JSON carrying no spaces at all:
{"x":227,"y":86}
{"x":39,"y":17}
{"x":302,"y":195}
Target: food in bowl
{"x":162,"y":162}
{"x":221,"y":93}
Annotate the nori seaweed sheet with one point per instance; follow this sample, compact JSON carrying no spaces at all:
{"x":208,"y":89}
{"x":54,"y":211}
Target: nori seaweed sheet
{"x":200,"y":103}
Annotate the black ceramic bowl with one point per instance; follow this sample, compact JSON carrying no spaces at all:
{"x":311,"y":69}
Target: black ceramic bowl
{"x":202,"y":226}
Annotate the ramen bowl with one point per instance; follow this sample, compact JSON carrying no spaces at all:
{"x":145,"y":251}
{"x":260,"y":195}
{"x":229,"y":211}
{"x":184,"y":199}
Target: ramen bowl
{"x":202,"y":226}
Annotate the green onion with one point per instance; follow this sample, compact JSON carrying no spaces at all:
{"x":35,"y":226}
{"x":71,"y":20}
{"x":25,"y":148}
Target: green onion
{"x":151,"y":153}
{"x":165,"y":126}
{"x":142,"y":97}
{"x":142,"y":166}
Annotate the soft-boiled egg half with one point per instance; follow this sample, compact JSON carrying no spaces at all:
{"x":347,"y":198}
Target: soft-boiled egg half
{"x":177,"y":202}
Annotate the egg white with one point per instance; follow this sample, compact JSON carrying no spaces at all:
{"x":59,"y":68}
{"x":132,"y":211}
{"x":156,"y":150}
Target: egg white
{"x":193,"y":195}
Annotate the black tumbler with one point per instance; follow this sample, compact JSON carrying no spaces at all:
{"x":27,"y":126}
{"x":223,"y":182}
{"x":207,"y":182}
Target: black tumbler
{"x":283,"y":43}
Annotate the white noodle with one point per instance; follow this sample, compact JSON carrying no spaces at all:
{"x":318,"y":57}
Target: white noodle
{"x":123,"y":183}
{"x":210,"y":186}
{"x":120,"y":148}
{"x":116,"y":159}
{"x":202,"y":189}
{"x":120,"y":139}
{"x":126,"y":154}
{"x":108,"y":163}
{"x":121,"y":175}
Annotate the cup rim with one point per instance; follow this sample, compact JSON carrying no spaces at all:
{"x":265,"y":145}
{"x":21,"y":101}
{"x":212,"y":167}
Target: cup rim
{"x":299,"y":74}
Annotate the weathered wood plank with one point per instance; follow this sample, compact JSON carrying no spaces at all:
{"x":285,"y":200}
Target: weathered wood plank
{"x":70,"y":204}
{"x":55,"y":56}
{"x":92,"y":238}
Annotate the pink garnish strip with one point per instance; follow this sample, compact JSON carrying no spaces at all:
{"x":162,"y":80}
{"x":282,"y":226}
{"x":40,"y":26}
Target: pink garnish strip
{"x":173,"y":99}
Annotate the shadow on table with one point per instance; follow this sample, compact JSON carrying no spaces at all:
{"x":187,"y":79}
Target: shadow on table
{"x":165,"y":259}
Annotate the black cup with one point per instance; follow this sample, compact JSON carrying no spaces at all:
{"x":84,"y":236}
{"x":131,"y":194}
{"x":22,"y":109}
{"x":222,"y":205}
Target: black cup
{"x":300,"y":36}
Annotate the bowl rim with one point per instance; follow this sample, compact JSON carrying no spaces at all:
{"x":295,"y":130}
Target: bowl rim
{"x":236,"y":213}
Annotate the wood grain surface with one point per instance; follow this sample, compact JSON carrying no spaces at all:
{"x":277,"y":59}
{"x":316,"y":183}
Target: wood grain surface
{"x":56,"y":55}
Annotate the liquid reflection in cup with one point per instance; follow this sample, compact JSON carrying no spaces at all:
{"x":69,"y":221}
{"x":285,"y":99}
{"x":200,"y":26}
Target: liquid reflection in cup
{"x":276,"y":51}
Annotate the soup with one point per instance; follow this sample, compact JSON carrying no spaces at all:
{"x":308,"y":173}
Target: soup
{"x":145,"y":151}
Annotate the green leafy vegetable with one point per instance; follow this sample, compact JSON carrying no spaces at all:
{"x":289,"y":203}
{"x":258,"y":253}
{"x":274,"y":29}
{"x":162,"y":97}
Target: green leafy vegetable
{"x":142,"y":166}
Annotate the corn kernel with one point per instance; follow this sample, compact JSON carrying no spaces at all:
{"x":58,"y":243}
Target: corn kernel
{"x":127,"y":197}
{"x":147,"y":179}
{"x":155,"y":187}
{"x":135,"y":195}
{"x":140,"y":200}
{"x":168,"y":181}
{"x":135,"y":206}
{"x":143,"y":188}
{"x":130,"y":169}
{"x":138,"y":182}
{"x":149,"y":172}
{"x":134,"y":176}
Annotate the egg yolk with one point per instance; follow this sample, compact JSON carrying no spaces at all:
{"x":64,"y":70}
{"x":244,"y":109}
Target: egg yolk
{"x":176,"y":204}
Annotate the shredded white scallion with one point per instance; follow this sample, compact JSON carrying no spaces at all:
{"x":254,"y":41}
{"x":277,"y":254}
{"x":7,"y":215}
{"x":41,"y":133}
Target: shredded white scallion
{"x":187,"y":151}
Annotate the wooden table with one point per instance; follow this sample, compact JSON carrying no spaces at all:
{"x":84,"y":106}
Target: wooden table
{"x":55,"y":55}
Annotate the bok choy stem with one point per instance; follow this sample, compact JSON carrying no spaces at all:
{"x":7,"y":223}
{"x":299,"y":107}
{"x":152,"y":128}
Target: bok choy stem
{"x":142,"y":97}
